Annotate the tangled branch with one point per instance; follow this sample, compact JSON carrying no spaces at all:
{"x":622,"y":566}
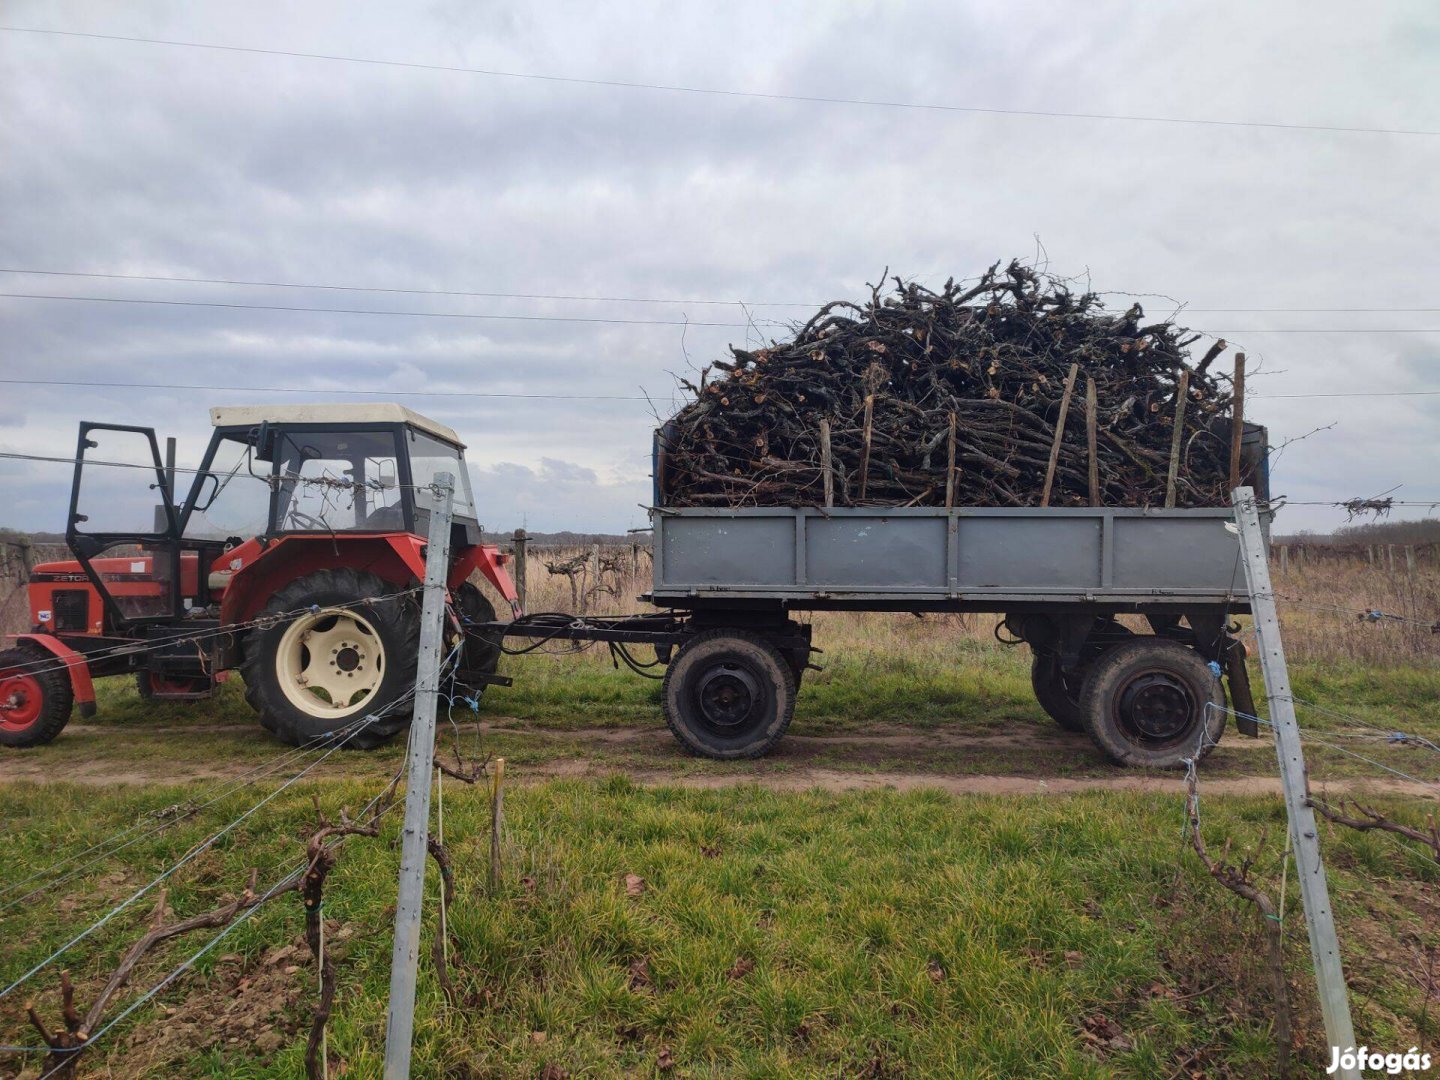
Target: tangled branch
{"x":67,"y":1045}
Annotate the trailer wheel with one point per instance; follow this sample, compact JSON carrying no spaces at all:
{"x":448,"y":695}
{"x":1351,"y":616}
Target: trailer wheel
{"x":349,"y":654}
{"x":729,"y":694}
{"x":1149,"y":701}
{"x":35,"y":696}
{"x":1057,"y":692}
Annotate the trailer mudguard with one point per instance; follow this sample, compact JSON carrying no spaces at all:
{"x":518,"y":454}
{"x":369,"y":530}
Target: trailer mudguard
{"x":75,"y":663}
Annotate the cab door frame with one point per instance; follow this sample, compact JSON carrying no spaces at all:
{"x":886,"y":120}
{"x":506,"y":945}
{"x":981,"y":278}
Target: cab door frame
{"x":162,"y":545}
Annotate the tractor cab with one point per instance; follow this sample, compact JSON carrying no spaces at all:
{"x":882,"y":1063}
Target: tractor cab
{"x":323,"y":469}
{"x":315,"y":508}
{"x":269,"y":473}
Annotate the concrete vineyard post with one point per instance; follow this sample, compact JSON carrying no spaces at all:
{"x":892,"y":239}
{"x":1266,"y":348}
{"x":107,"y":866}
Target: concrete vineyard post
{"x":1304,"y":833}
{"x":405,"y":954}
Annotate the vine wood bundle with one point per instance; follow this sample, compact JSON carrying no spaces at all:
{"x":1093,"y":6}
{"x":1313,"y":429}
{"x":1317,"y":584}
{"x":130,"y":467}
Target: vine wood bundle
{"x":1010,"y":391}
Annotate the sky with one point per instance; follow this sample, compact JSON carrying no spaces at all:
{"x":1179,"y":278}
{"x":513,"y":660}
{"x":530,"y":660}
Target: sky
{"x":119,"y":157}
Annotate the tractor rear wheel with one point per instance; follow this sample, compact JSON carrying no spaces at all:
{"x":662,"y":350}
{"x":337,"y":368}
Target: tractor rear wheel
{"x":345,"y":663}
{"x":482,"y":651}
{"x":35,"y":696}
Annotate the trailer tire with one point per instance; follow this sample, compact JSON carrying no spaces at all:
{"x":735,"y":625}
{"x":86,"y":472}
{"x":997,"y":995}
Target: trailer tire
{"x":36,"y":697}
{"x":379,"y":637}
{"x":729,"y":695}
{"x":1148,"y":701}
{"x":1057,"y":693}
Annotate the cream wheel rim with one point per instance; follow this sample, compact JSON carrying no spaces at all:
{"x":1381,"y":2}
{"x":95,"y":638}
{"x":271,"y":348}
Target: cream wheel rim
{"x":330,"y":663}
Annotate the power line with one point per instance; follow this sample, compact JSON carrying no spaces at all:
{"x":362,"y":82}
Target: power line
{"x":180,"y":279}
{"x":717,"y":92}
{"x":320,"y":390}
{"x":592,"y":320}
{"x":539,"y":397}
{"x":440,"y":292}
{"x":1366,"y":394}
{"x":365,"y":311}
{"x":1314,"y":330}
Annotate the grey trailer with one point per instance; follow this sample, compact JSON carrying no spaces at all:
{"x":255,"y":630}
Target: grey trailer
{"x":1058,"y":577}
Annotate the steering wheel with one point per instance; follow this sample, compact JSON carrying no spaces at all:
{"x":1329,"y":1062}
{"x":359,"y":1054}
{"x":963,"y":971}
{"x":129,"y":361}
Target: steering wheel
{"x":385,"y":517}
{"x":305,"y":521}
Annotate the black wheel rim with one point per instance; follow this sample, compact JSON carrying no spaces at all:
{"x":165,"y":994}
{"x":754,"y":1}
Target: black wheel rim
{"x":728,"y":698}
{"x":1155,"y":709}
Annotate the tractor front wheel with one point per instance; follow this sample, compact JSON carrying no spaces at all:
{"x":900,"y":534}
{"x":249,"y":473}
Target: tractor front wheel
{"x":335,"y":653}
{"x":35,"y":696}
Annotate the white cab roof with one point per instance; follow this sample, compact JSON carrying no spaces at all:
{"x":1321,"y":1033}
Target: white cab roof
{"x":364,"y":413}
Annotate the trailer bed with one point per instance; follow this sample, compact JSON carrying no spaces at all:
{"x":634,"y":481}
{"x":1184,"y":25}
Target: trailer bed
{"x":979,"y":559}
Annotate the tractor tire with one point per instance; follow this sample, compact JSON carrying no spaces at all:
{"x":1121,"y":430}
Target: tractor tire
{"x":1148,"y":702}
{"x":728,"y":695}
{"x":304,"y":695}
{"x":481,"y":653}
{"x":35,"y":696}
{"x":1057,"y":693}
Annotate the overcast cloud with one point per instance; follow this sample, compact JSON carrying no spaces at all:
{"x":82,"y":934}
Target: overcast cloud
{"x":133,"y":158}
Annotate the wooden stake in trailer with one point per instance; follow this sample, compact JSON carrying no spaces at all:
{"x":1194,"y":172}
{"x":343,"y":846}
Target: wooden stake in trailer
{"x":1304,"y":834}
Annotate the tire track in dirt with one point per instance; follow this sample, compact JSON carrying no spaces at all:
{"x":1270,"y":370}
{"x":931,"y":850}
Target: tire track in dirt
{"x":794,"y":766}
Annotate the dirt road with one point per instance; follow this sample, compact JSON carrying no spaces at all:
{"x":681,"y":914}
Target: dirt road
{"x":1022,"y":761}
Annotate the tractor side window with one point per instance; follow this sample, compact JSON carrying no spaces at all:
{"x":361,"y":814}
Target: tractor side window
{"x":233,"y":496}
{"x":338,"y":481}
{"x":429,"y":457}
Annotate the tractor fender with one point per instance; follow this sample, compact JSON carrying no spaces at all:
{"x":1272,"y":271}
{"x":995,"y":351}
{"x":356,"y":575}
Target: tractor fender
{"x":75,"y":663}
{"x":490,"y":561}
{"x":394,"y":557}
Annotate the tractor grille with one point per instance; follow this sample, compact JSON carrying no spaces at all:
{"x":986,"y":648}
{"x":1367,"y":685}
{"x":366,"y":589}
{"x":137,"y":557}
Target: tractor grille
{"x":72,"y":608}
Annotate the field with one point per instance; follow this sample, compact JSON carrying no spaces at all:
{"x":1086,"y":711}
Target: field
{"x":927,"y":879}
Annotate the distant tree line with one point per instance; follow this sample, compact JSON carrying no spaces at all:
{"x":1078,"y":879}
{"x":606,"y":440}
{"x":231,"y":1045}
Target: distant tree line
{"x":1426,"y":531}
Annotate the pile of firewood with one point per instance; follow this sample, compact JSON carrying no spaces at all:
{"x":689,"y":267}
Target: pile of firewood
{"x":1010,"y":391}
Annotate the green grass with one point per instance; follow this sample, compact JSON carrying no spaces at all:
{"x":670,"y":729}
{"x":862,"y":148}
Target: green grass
{"x":890,"y":934}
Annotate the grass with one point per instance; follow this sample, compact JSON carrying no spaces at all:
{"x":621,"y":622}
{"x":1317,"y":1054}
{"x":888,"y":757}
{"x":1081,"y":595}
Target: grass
{"x":891,"y":933}
{"x":778,"y":935}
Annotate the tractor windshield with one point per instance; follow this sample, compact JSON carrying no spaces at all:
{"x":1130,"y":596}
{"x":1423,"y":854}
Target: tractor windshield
{"x":233,"y":496}
{"x":332,"y":481}
{"x":429,"y":457}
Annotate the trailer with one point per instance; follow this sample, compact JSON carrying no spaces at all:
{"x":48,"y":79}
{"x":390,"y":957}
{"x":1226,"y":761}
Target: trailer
{"x":733,"y":580}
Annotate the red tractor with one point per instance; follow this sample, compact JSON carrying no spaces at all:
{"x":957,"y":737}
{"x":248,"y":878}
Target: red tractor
{"x":295,"y":559}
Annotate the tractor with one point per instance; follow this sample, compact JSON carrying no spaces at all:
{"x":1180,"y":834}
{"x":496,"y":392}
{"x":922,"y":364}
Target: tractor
{"x":295,"y":559}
